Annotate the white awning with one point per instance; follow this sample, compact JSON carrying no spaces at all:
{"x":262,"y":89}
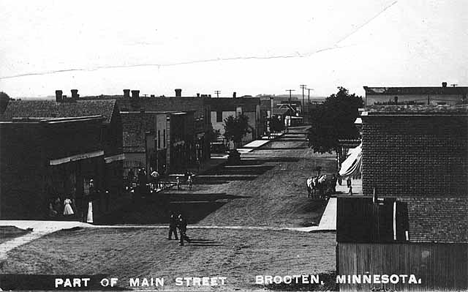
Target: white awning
{"x":76,"y":157}
{"x":117,"y":157}
{"x":352,"y":165}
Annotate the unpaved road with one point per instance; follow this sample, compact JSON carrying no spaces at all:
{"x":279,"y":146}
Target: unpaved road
{"x":267,"y":189}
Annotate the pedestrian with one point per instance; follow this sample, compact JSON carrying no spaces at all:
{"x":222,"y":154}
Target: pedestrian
{"x":52,"y":212}
{"x":67,"y":209}
{"x":182,"y":225}
{"x":190,"y":181}
{"x":173,"y":226}
{"x":58,"y":206}
{"x":106,"y":200}
{"x":334,"y":180}
{"x":350,"y":186}
{"x":178,"y":183}
{"x":154,"y":179}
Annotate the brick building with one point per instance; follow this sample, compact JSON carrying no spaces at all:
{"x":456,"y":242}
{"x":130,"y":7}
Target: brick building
{"x":419,"y":155}
{"x":413,"y":218}
{"x":163,"y":141}
{"x":197,"y":108}
{"x":46,"y":158}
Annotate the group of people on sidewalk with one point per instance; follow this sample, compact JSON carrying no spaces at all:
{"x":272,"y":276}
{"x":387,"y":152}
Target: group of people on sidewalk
{"x":79,"y":207}
{"x":178,"y":222}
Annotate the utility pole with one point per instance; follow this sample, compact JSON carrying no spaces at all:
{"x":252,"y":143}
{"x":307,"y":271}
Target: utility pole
{"x":308,"y":97}
{"x":217,"y":92}
{"x":287,"y":124}
{"x":303,"y":104}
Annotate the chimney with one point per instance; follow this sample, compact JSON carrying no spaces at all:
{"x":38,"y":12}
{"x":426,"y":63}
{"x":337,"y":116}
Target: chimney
{"x":135,"y":94}
{"x":234,"y":94}
{"x":58,"y":96}
{"x":126,"y":93}
{"x":74,"y":94}
{"x":198,"y":94}
{"x":178,"y":92}
{"x":444,"y":84}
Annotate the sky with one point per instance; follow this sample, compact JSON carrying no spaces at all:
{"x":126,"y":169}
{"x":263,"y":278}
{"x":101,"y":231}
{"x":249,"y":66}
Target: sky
{"x":249,"y":47}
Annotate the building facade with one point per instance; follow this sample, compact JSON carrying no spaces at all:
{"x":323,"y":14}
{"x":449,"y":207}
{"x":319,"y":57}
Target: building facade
{"x":75,"y":107}
{"x":413,"y":218}
{"x":222,"y":108}
{"x":46,"y":159}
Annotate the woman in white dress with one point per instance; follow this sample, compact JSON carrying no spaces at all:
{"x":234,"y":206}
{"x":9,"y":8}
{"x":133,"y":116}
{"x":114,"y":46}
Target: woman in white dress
{"x":67,"y":209}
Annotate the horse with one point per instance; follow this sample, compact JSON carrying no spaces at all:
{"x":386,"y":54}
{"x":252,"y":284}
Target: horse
{"x":318,"y":186}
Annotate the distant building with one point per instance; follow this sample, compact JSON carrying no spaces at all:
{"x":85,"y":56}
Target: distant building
{"x":179,"y":121}
{"x":415,"y":95}
{"x":413,"y":217}
{"x":163,"y":141}
{"x":222,"y":108}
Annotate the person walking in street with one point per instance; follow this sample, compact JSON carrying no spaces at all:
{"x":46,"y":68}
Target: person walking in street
{"x":190,"y":181}
{"x":178,"y":183}
{"x":182,"y":225}
{"x":173,"y":226}
{"x":350,"y":186}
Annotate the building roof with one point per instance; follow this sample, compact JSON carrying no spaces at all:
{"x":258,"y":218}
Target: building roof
{"x":162,"y":104}
{"x":443,"y":220}
{"x":50,"y":109}
{"x":413,"y":110}
{"x":416,"y":90}
{"x":230,"y":104}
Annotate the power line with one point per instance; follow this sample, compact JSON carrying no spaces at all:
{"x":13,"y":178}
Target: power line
{"x":217,"y":92}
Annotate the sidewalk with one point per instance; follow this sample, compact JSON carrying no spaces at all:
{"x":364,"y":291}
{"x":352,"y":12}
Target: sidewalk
{"x":39,"y":229}
{"x":356,"y":185}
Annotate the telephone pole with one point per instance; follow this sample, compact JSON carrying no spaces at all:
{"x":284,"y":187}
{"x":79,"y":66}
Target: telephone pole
{"x":303,"y":104}
{"x":308,"y":97}
{"x":290,"y":107}
{"x":217,"y":92}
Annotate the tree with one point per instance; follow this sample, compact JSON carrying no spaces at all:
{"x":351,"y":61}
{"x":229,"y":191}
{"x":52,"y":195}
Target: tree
{"x":333,"y":120}
{"x":4,"y":99}
{"x":276,"y":125}
{"x":235,"y":128}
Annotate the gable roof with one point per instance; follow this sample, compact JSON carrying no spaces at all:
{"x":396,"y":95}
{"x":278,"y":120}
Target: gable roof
{"x":51,"y":109}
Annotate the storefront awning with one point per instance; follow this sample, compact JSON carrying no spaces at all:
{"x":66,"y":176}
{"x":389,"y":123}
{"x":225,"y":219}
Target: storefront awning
{"x":76,"y":157}
{"x":117,"y":157}
{"x":352,"y":165}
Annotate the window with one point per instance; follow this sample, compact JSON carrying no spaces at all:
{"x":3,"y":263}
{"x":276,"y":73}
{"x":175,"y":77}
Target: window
{"x":159,"y":139}
{"x":219,"y":116}
{"x":164,"y":138}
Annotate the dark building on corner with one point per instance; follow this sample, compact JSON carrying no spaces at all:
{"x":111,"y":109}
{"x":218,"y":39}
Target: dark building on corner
{"x":413,"y":217}
{"x":53,"y":148}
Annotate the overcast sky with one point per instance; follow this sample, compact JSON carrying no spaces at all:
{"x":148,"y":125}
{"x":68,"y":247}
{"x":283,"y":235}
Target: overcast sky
{"x":251,"y":47}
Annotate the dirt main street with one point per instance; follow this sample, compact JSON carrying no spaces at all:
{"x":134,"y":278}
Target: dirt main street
{"x":266,"y":190}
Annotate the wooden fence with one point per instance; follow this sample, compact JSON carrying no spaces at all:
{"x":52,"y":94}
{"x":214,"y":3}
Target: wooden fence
{"x":439,"y":266}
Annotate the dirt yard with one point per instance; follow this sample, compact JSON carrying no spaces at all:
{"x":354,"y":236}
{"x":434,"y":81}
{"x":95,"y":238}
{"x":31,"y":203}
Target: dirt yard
{"x":238,"y":255}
